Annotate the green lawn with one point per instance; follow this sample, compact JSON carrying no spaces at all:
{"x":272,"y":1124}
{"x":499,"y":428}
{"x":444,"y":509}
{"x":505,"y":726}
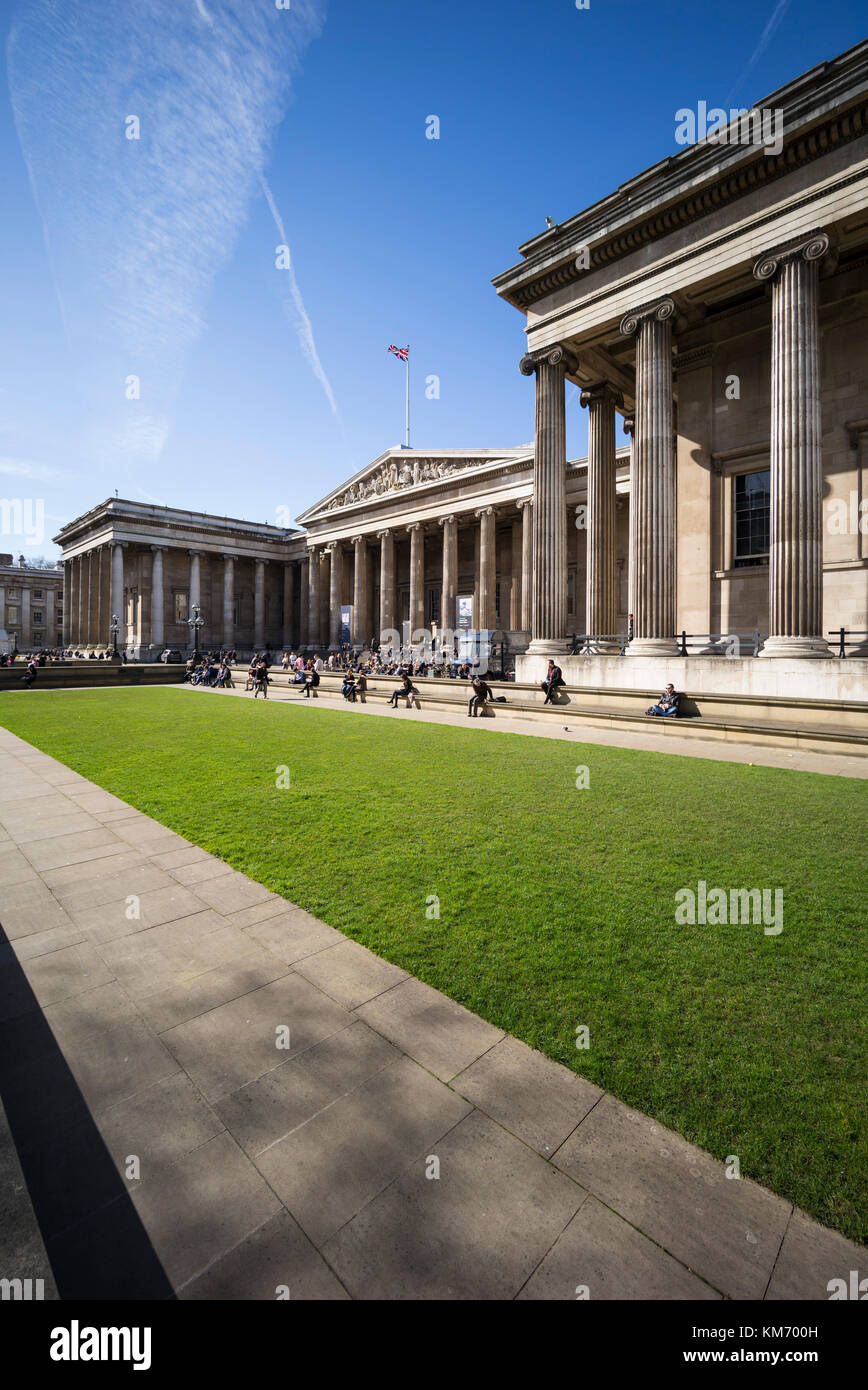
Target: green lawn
{"x":557,"y":905}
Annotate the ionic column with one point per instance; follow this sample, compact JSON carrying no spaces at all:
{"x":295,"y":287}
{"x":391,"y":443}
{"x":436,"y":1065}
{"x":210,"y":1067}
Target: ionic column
{"x":360,"y":589}
{"x":91,"y":595}
{"x":67,"y":604}
{"x":325,"y":560}
{"x":157,"y":599}
{"x":313,"y":597}
{"x":796,"y":540}
{"x":259,"y":604}
{"x":229,"y":601}
{"x":601,"y":591}
{"x":303,"y":602}
{"x":417,"y":577}
{"x":195,"y":577}
{"x":449,"y":595}
{"x":629,"y":428}
{"x":487,"y":567}
{"x":117,"y":603}
{"x":336,"y":582}
{"x":525,"y":506}
{"x":653,"y":479}
{"x":288,"y":605}
{"x":549,"y":613}
{"x":387,"y":581}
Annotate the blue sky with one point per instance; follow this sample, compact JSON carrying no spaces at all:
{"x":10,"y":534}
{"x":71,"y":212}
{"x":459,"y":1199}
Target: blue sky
{"x":262,"y":388}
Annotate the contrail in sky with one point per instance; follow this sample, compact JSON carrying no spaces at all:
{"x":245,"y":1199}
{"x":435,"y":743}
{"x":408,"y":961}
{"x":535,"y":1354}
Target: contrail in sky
{"x":777,"y":15}
{"x":137,"y":229}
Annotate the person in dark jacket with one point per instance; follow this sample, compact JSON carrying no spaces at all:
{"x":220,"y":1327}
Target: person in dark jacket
{"x":480,"y":691}
{"x":407,"y":689}
{"x":667,"y":705}
{"x":554,"y":679}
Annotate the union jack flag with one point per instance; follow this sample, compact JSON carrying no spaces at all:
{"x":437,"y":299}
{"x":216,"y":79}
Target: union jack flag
{"x":403,"y":353}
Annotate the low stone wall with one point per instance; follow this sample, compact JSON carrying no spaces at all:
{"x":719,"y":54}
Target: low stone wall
{"x":779,"y":678}
{"x":81,"y":674}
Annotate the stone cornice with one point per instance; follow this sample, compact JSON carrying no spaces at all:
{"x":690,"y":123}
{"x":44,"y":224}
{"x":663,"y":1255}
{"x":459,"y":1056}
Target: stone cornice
{"x":694,"y":183}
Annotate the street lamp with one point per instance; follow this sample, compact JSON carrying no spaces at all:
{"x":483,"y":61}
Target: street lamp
{"x":194,"y":624}
{"x":114,"y":630}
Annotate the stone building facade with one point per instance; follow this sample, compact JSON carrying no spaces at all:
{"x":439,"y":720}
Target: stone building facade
{"x":148,"y":566}
{"x":718,"y":303}
{"x":31,"y":606}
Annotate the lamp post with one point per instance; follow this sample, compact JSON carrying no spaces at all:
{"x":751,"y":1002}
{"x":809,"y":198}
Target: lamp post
{"x":114,"y":629}
{"x":194,"y":624}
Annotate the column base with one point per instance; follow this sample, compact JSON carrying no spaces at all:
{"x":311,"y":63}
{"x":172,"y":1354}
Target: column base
{"x":549,"y":646}
{"x":812,"y":648}
{"x":652,"y":646}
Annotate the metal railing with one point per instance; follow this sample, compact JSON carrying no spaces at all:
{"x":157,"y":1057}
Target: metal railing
{"x":721,"y":643}
{"x":590,"y":644}
{"x":840,"y":634}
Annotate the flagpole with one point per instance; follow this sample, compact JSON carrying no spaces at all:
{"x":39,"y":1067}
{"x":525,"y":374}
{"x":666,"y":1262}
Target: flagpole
{"x":407,"y":414}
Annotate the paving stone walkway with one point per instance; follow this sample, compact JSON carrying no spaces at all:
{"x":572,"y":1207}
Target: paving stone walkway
{"x":168,"y":1145}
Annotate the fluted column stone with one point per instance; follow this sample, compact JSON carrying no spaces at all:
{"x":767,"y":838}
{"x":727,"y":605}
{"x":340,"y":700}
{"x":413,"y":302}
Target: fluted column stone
{"x":387,"y":581}
{"x":259,"y":604}
{"x":525,"y":506}
{"x":796,"y":539}
{"x":601,"y":584}
{"x":416,"y":533}
{"x":229,"y":601}
{"x":487,"y":568}
{"x":336,"y":579}
{"x":549,"y":611}
{"x":653,"y":481}
{"x":289,"y":604}
{"x":157,"y":597}
{"x":449,"y":591}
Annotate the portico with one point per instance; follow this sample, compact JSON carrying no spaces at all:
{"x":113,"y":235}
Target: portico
{"x":718,"y":302}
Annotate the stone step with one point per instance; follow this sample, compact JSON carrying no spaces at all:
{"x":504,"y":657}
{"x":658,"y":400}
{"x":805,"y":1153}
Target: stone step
{"x":452,"y":696}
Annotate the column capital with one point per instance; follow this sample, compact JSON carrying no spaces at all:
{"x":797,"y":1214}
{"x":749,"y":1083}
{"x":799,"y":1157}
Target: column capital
{"x":160,"y":548}
{"x":384,"y":534}
{"x":358,"y":540}
{"x":813,"y":247}
{"x":331,"y":546}
{"x":523,"y":502}
{"x":660,"y":310}
{"x":446,"y":520}
{"x":629,"y":423}
{"x":118,"y":545}
{"x":414,"y":526}
{"x":485,"y":511}
{"x":195,"y":552}
{"x":556,"y":355}
{"x":261,"y":562}
{"x":602,"y":392}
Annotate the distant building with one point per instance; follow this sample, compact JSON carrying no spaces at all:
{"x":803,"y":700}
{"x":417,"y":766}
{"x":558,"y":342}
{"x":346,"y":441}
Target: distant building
{"x":31,"y":605}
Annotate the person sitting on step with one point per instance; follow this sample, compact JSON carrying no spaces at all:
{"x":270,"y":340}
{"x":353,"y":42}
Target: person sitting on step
{"x":480,"y":691}
{"x":554,"y":679}
{"x":667,"y":705}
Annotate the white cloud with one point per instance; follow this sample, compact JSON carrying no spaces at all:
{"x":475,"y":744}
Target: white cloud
{"x":137,"y":230}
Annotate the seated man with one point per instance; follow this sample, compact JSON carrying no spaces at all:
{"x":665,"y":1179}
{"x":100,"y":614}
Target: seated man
{"x":554,"y":679}
{"x":311,"y":682}
{"x":407,"y":690}
{"x":480,"y":691}
{"x":667,"y":704}
{"x":348,"y":689}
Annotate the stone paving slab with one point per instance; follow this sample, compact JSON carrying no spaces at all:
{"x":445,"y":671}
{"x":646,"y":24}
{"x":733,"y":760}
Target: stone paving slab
{"x":155,"y":1037}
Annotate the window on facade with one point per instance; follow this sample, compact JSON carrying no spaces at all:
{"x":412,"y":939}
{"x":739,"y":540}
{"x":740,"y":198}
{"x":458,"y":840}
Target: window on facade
{"x":433,"y":606}
{"x":37,"y":593}
{"x":751,"y":519}
{"x":37,"y":637}
{"x":12,"y":593}
{"x":497,"y":603}
{"x":37,"y":617}
{"x":180,"y":607}
{"x":12,"y":615}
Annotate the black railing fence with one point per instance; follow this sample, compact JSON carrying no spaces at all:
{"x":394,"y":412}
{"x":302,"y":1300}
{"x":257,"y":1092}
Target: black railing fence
{"x":849,"y":637}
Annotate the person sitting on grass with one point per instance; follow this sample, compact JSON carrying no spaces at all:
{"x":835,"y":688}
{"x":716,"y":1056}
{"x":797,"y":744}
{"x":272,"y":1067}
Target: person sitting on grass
{"x":667,"y":705}
{"x":407,"y":690}
{"x":554,"y":679}
{"x":480,"y":691}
